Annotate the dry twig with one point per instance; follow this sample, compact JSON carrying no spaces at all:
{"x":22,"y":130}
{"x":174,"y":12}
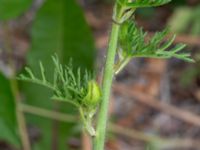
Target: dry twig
{"x":156,"y":104}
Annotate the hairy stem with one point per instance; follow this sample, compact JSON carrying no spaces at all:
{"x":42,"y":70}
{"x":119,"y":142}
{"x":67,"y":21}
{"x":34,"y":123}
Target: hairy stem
{"x":106,"y":88}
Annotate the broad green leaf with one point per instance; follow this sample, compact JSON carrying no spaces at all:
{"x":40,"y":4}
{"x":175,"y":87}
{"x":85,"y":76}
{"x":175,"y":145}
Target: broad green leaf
{"x":8,"y":134}
{"x":10,"y":9}
{"x":7,"y":113}
{"x":60,"y":28}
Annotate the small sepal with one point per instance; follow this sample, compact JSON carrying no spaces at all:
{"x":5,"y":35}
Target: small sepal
{"x":93,"y":96}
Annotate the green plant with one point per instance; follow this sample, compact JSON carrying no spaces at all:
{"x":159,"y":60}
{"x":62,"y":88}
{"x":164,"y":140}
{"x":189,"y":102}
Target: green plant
{"x":16,"y":8}
{"x":127,"y":41}
{"x":51,"y":32}
{"x":68,"y":86}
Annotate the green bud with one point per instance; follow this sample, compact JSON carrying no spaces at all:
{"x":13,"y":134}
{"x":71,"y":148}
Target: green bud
{"x":93,"y":94}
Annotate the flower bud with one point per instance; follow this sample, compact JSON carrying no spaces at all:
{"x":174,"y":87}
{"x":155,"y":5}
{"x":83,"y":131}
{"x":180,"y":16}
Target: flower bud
{"x":93,"y":94}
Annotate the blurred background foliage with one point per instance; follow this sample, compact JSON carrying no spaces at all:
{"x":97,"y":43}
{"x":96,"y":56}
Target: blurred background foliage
{"x":59,"y":26}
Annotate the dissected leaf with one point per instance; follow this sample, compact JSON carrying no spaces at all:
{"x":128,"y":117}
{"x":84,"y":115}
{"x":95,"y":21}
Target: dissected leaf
{"x":132,"y":44}
{"x":68,"y":85}
{"x":146,"y":3}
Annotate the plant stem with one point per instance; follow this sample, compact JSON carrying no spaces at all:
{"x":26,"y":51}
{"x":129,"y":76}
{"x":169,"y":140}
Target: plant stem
{"x":106,"y":88}
{"x":15,"y":91}
{"x":86,"y":141}
{"x":87,"y":123}
{"x":20,"y":116}
{"x":116,"y":129}
{"x":47,"y":113}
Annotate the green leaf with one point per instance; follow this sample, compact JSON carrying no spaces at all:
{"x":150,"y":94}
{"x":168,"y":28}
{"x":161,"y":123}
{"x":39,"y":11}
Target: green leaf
{"x":132,"y":44}
{"x":60,"y":28}
{"x":7,"y":113}
{"x":10,"y":9}
{"x":8,"y":133}
{"x":68,"y":85}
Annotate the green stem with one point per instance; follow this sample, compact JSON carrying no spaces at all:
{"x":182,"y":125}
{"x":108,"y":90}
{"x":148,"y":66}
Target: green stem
{"x":15,"y":91}
{"x":87,"y":122}
{"x":20,"y":116}
{"x":106,"y":89}
{"x":131,"y":133}
{"x":47,"y":113}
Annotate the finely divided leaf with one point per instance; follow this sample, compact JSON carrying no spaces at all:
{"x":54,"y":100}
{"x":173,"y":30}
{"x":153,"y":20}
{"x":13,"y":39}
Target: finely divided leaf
{"x":132,"y":43}
{"x":146,"y":3}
